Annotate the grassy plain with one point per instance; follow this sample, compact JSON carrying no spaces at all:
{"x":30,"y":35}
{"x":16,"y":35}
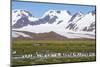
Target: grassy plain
{"x":65,"y":46}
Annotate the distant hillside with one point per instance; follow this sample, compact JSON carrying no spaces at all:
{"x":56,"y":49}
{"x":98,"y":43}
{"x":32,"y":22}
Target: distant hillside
{"x":41,"y":36}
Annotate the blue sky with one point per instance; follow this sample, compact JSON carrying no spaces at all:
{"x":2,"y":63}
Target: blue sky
{"x":38,"y":9}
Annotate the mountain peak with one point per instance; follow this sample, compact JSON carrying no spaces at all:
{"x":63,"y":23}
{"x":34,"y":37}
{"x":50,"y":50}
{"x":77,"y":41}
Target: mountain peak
{"x":22,"y":12}
{"x":76,"y":15}
{"x":57,"y":12}
{"x":21,"y":17}
{"x":79,"y":13}
{"x":92,"y":12}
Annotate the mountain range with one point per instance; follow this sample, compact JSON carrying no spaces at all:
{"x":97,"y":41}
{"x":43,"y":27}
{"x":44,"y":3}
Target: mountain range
{"x":54,"y":24}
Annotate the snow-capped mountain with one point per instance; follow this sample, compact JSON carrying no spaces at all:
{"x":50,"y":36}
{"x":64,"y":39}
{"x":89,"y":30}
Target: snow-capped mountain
{"x":61,"y":22}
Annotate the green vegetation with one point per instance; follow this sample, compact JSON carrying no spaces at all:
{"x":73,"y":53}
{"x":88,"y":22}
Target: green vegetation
{"x":52,"y":61}
{"x":31,"y":47}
